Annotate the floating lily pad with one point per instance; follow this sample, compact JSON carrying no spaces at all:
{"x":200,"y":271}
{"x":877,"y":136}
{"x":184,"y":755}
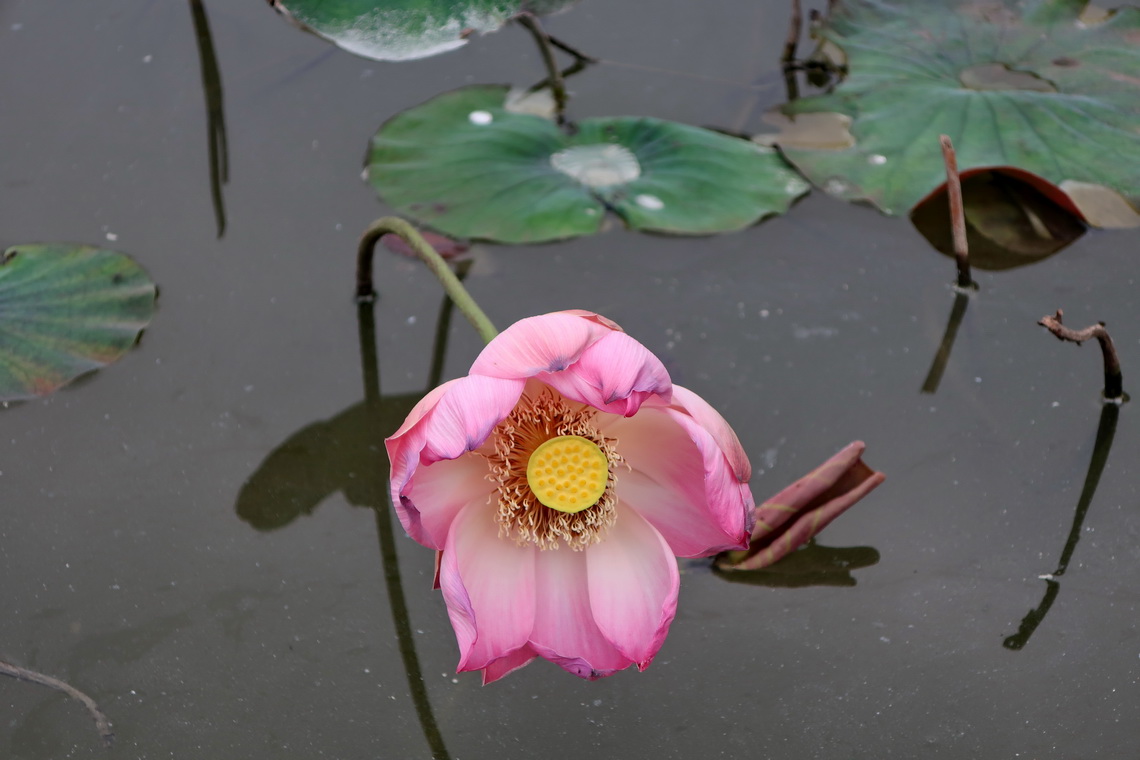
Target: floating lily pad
{"x":402,"y":30}
{"x":1030,"y":85}
{"x":467,"y":166}
{"x":66,"y":310}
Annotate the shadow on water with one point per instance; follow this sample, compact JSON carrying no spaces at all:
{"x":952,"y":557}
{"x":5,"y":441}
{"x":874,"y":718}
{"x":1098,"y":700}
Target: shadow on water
{"x":346,"y":454}
{"x":215,"y":116}
{"x":811,"y":565}
{"x":1105,"y":432}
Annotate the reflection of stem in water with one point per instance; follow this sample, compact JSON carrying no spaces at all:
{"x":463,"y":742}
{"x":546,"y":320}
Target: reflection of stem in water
{"x":957,"y":213}
{"x":1033,"y":618}
{"x":1105,"y":432}
{"x":938,"y":366}
{"x":404,"y":634}
{"x":385,"y":533}
{"x":215,"y":116}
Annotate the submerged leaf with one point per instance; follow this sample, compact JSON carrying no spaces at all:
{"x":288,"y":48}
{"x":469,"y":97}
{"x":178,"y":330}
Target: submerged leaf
{"x":796,"y":514}
{"x":1010,"y":222}
{"x":1030,"y":85}
{"x":66,"y":310}
{"x":469,"y":167}
{"x":402,"y":30}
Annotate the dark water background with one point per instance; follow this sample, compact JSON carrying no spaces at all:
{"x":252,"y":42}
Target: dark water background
{"x":126,"y":570}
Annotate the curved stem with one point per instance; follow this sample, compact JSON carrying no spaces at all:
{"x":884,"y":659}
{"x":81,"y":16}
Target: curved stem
{"x":1033,"y":618}
{"x":1105,"y":432}
{"x":451,"y":284}
{"x":1113,"y":378}
{"x":942,"y":358}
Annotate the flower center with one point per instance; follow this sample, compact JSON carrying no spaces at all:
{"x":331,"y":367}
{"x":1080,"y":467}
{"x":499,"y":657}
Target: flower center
{"x":554,"y":474}
{"x":568,"y":473}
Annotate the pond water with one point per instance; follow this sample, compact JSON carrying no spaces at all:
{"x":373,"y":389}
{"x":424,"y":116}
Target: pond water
{"x":188,"y":535}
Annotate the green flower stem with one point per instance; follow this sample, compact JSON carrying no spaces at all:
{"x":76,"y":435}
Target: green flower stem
{"x":451,"y":284}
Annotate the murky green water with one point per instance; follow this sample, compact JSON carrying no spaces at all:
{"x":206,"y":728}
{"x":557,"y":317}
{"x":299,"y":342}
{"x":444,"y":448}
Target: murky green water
{"x":128,"y":571}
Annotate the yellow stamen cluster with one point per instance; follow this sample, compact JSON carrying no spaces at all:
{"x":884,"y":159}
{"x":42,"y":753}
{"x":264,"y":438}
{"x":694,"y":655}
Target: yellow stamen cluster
{"x":538,"y":434}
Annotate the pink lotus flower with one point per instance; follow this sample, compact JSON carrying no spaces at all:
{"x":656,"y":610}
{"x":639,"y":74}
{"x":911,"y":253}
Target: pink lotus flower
{"x":559,"y":480}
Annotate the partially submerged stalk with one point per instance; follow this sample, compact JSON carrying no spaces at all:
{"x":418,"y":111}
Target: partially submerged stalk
{"x":554,"y":75}
{"x":957,"y":213}
{"x":1113,"y":378}
{"x":451,"y":284}
{"x":788,"y":57}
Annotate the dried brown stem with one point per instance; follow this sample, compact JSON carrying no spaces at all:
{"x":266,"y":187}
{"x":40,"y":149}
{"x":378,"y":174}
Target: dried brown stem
{"x":788,"y":57}
{"x":102,"y":725}
{"x":794,"y":28}
{"x":1113,"y":379}
{"x":957,"y":212}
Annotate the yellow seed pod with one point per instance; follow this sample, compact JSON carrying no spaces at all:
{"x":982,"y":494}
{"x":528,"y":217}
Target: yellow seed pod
{"x":568,"y":473}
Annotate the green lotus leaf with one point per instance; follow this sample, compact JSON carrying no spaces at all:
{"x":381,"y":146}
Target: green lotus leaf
{"x":466,"y":165}
{"x":402,"y":30}
{"x":66,"y":310}
{"x":1035,"y":85}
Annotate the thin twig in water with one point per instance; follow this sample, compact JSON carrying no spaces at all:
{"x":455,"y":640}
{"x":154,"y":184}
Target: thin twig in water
{"x":571,"y":51}
{"x":102,"y":725}
{"x":1113,"y":379}
{"x":957,"y":212}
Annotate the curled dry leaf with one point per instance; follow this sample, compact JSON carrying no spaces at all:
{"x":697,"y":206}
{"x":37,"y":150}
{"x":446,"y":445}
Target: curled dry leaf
{"x":792,"y":517}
